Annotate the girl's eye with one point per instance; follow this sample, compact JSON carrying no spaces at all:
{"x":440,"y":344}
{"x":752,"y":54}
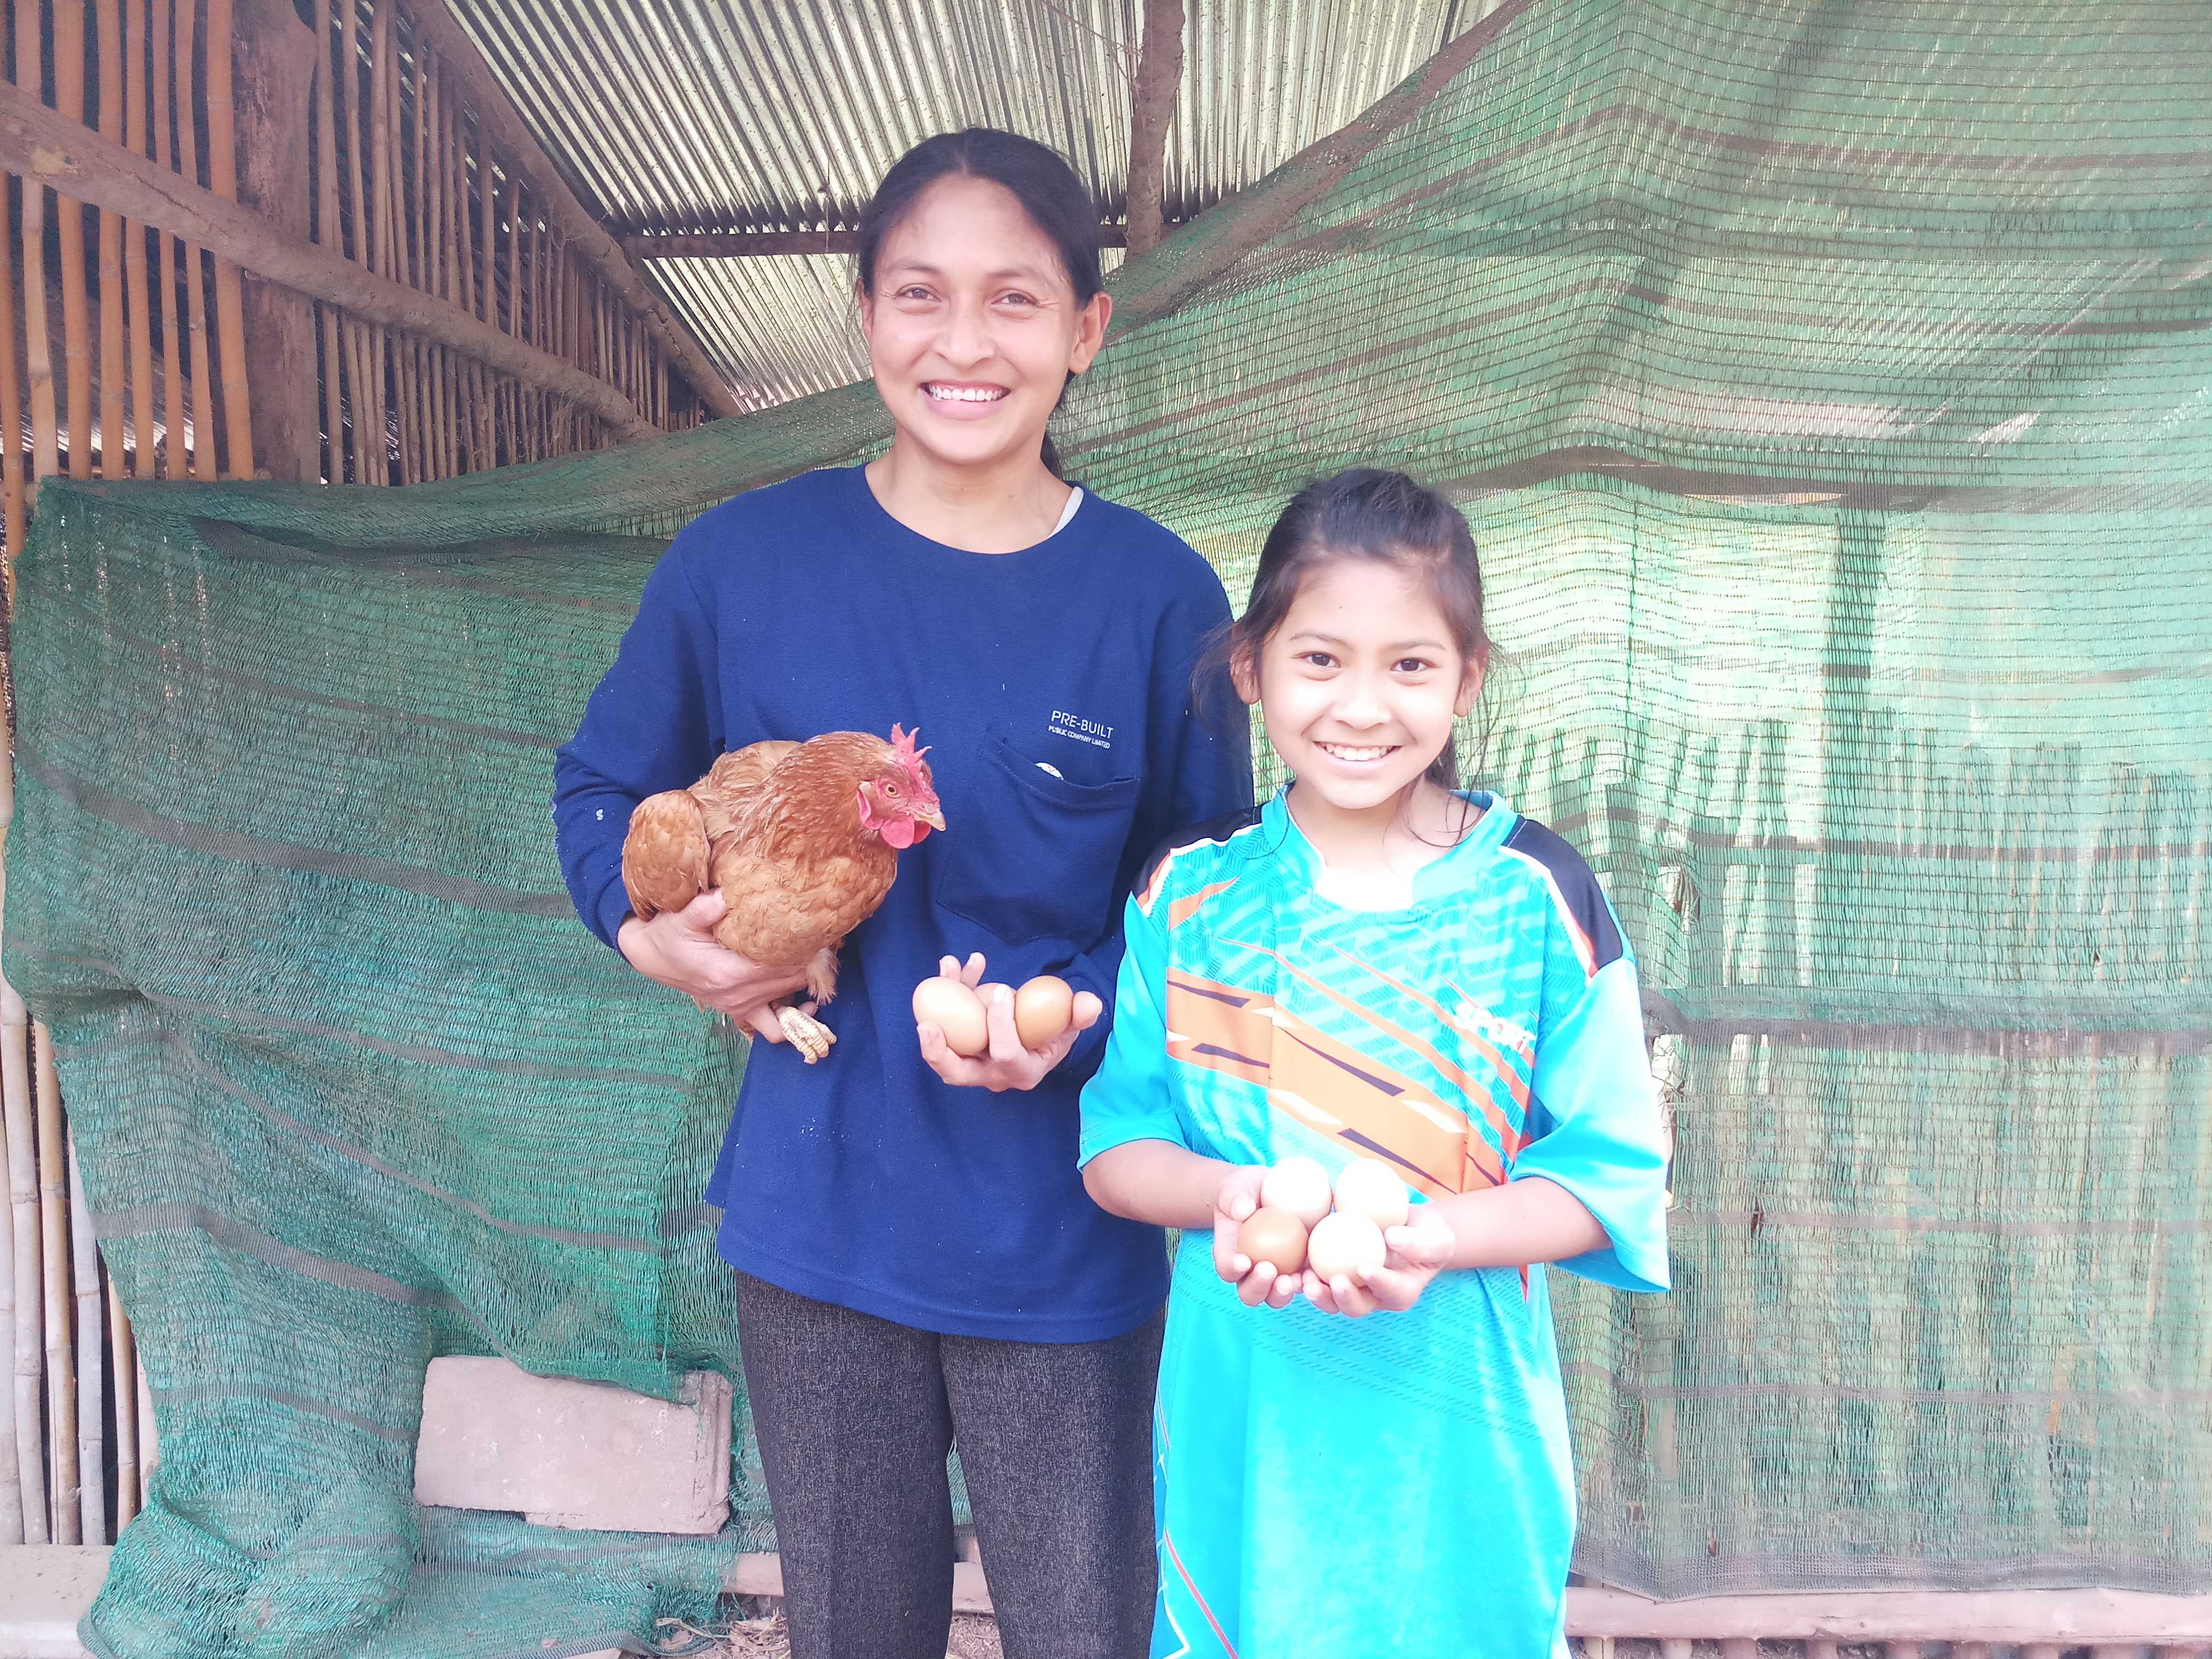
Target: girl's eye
{"x":1317,"y":660}
{"x":1413,"y":666}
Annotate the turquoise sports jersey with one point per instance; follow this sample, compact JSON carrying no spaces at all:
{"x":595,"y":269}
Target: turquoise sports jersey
{"x":1397,"y":1484}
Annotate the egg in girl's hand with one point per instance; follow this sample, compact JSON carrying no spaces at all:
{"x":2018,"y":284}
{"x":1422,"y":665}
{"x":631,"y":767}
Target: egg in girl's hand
{"x":1345,"y":1245}
{"x":1298,"y":1185}
{"x":955,"y":1010}
{"x":1274,"y":1236}
{"x":1042,"y":1009}
{"x":1368,"y":1187}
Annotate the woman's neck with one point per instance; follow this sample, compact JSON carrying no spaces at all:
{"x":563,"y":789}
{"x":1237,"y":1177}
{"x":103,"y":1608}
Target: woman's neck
{"x":998,"y":506}
{"x":1394,"y":837}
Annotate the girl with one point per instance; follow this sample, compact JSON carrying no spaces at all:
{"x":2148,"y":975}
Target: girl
{"x":916,"y":1261}
{"x":1373,"y":965}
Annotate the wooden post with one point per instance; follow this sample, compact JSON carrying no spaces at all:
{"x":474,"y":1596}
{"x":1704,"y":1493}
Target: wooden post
{"x":222,"y":178}
{"x":149,"y":1442}
{"x":76,"y":309}
{"x":91,"y":1433}
{"x":205,"y":461}
{"x":1151,"y":109}
{"x":172,"y":365}
{"x":11,"y":1484}
{"x":114,"y":332}
{"x":54,"y":1247}
{"x":330,"y":236}
{"x":135,"y":294}
{"x":13,"y":519}
{"x":37,"y":337}
{"x":275,"y":61}
{"x":379,"y":181}
{"x":23,"y":1212}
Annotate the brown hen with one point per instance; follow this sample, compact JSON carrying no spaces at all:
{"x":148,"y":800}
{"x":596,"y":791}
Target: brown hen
{"x":802,"y":839}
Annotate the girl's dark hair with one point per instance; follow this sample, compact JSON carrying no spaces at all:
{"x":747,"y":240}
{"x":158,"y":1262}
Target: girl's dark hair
{"x":1041,"y":179}
{"x":1384,"y":518}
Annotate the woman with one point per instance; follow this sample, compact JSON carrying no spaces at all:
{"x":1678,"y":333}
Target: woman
{"x":917,"y":1260}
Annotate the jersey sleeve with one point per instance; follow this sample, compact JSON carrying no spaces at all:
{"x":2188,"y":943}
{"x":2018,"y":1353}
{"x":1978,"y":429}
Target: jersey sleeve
{"x":1130,"y":1096}
{"x":1594,"y":1117}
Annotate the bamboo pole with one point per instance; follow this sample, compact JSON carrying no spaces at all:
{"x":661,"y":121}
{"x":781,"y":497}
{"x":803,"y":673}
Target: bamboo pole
{"x":414,"y":430}
{"x":136,"y":295}
{"x":487,"y":298}
{"x":149,"y":1442}
{"x":11,"y":1483}
{"x":38,"y":338}
{"x":76,"y":309}
{"x":114,"y":330}
{"x":61,"y":1361}
{"x":173,"y":368}
{"x":378,"y":179}
{"x":23,"y":1211}
{"x":12,"y":498}
{"x":91,"y":1380}
{"x":15,"y":1505}
{"x":123,"y":1351}
{"x":204,"y":446}
{"x":230,"y":295}
{"x":329,"y":236}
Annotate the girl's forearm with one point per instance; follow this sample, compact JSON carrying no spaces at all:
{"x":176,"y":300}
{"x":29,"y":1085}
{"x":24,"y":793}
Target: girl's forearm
{"x":1519,"y":1224}
{"x":1157,"y":1182}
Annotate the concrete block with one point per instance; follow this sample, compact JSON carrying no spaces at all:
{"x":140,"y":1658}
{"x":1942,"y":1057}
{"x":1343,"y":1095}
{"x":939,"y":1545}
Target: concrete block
{"x":45,"y":1589}
{"x":571,"y":1453}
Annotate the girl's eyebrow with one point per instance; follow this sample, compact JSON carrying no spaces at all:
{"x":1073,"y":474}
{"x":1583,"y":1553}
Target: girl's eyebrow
{"x":1319,"y":638}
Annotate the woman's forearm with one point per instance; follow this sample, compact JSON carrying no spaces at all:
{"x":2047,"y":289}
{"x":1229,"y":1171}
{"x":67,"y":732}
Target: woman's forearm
{"x":1519,"y":1224}
{"x":1158,"y":1182}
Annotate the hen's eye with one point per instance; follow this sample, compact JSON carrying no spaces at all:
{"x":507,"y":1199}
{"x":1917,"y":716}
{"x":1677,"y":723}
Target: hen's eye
{"x":891,"y":789}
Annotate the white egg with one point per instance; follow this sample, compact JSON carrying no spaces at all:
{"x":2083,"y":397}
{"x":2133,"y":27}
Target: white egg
{"x":1368,"y":1187}
{"x":1345,"y":1246}
{"x":1298,"y":1185}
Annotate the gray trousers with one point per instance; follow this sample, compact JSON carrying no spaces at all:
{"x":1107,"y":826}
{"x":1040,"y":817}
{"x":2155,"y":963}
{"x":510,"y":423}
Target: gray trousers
{"x":854,"y":1415}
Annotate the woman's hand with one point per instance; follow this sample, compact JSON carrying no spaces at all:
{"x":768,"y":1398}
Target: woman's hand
{"x":1006,"y":1065}
{"x":1418,"y":1251}
{"x":1256,"y":1281}
{"x":677,"y":948}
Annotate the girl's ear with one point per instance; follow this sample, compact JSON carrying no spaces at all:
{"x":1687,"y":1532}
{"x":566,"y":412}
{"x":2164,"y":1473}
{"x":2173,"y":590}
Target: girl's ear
{"x":1470,"y":684}
{"x":1089,"y":332}
{"x":1244,"y":673}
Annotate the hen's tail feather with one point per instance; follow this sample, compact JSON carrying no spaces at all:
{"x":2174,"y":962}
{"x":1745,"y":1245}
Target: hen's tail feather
{"x":665,"y":857}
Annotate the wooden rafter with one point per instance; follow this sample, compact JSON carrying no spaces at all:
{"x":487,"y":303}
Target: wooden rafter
{"x":1152,"y":108}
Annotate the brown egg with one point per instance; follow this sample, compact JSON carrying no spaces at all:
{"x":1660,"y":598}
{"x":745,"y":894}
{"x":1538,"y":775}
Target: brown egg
{"x":955,"y":1010}
{"x":1042,"y":1009}
{"x":1275,"y":1236}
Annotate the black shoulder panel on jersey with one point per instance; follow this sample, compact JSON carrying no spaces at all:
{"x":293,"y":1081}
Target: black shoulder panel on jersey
{"x":1577,"y":885}
{"x":1218,"y":829}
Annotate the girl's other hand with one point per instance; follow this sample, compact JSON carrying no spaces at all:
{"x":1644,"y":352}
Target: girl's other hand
{"x":1418,"y":1251}
{"x":678,"y":949}
{"x":1256,"y":1281}
{"x":1006,"y":1064}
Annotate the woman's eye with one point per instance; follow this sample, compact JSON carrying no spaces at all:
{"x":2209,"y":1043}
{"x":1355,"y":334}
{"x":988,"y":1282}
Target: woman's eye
{"x":914,"y":293}
{"x":1015,"y":299}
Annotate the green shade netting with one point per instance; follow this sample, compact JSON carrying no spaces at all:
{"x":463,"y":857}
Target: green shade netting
{"x":1831,"y":388}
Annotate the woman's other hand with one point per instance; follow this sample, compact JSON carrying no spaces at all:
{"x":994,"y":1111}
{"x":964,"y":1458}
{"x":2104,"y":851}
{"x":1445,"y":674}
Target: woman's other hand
{"x":1006,"y":1064}
{"x":678,"y":949}
{"x":1418,"y":1252}
{"x":1256,"y":1281}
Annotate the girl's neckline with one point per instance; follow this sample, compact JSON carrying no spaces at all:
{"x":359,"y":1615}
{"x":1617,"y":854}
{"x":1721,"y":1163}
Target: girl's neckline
{"x":873,"y":511}
{"x":1359,"y":892}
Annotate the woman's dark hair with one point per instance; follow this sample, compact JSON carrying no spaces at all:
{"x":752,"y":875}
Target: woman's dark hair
{"x":1384,"y":518}
{"x":1041,"y":180}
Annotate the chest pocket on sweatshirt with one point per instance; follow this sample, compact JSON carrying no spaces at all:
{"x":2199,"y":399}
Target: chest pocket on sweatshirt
{"x":1041,"y":862}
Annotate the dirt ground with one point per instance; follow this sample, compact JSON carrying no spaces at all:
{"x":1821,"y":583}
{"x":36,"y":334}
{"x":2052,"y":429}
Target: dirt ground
{"x":975,"y":1636}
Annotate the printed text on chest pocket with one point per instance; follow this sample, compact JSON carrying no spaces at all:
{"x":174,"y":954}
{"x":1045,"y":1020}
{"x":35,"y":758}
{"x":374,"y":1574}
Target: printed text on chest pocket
{"x":1041,"y":862}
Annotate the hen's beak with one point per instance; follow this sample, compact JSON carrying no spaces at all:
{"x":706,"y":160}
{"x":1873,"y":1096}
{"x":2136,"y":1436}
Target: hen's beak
{"x":934,"y":819}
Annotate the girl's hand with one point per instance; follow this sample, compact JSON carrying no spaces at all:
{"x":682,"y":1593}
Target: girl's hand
{"x":1006,"y":1065}
{"x":677,"y":948}
{"x":1418,"y":1251}
{"x":1256,"y":1281}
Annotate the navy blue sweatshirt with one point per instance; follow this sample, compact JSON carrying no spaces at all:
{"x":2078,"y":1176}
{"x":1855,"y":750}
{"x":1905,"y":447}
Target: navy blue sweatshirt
{"x":1053,"y":686}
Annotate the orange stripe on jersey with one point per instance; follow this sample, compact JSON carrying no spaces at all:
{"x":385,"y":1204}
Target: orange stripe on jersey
{"x":1219,"y":1028}
{"x":1477,"y":1093}
{"x":1187,"y":907}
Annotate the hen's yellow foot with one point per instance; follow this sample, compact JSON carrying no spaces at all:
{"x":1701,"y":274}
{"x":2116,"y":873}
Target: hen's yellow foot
{"x":807,"y":1035}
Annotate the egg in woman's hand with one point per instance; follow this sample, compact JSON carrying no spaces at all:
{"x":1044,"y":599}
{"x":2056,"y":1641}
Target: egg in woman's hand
{"x":955,"y":1009}
{"x":1368,"y":1187}
{"x":1299,"y":1185}
{"x":1274,"y":1236}
{"x":1345,"y":1245}
{"x":1042,"y":1010}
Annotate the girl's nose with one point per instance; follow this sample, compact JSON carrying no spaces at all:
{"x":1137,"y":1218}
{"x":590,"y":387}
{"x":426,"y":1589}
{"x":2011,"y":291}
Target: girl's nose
{"x":1361,"y":707}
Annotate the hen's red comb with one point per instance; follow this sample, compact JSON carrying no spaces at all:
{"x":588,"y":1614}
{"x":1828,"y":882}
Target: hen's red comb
{"x":902,"y":743}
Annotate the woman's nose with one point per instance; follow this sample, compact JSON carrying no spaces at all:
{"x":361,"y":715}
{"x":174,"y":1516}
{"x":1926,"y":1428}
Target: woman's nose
{"x":964,"y":339}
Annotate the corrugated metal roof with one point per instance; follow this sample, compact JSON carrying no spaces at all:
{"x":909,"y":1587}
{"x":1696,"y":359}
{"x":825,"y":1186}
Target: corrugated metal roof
{"x":781,"y":114}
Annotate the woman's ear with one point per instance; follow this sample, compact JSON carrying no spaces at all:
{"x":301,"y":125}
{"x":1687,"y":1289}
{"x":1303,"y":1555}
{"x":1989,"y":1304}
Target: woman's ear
{"x":1089,"y":332}
{"x":1470,"y":684}
{"x":866,"y":302}
{"x":1244,"y":673}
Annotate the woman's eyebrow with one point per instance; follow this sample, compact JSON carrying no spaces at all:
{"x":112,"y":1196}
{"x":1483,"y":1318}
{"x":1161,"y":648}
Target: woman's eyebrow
{"x":1011,"y":273}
